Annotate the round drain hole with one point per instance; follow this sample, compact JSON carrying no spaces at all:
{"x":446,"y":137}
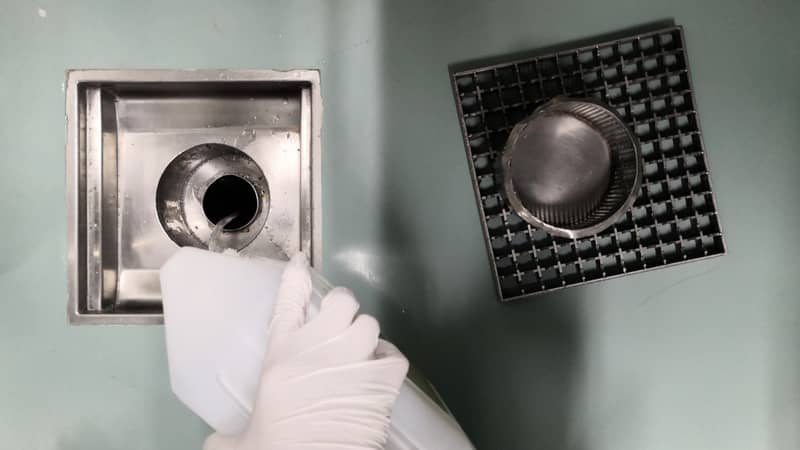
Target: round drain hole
{"x":205,"y":184}
{"x":227,"y":195}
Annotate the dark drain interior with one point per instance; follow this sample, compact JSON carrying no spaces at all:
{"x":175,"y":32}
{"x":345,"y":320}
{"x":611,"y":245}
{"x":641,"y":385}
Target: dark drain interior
{"x":228,"y":195}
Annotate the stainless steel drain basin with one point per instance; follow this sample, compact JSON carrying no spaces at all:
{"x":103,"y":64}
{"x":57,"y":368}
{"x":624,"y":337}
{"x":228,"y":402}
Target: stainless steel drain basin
{"x":155,"y":158}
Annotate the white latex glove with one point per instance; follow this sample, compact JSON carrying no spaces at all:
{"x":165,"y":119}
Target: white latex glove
{"x":327,"y":383}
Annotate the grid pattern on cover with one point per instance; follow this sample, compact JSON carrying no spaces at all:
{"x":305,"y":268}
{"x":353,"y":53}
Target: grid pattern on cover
{"x":646,"y":79}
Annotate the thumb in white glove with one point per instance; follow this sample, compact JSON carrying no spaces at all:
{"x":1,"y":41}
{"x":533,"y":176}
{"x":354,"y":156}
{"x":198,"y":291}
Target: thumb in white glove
{"x":326,"y":384}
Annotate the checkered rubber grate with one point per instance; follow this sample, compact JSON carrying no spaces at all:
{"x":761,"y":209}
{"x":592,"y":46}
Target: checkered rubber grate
{"x":645,"y":77}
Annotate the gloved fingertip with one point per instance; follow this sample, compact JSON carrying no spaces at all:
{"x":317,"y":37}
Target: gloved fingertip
{"x":341,"y":291}
{"x":296,"y":276}
{"x":386,"y":349}
{"x":369,"y":326}
{"x":340,"y":298}
{"x":297,"y":264}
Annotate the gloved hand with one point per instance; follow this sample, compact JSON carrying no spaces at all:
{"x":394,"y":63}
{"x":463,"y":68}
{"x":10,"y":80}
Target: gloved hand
{"x":327,"y":383}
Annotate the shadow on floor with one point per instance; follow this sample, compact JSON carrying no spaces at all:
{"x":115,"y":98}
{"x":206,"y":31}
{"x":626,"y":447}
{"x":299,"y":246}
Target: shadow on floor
{"x":509,"y":372}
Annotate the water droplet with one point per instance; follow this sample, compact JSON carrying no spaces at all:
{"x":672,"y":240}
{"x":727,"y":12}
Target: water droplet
{"x":285,"y":100}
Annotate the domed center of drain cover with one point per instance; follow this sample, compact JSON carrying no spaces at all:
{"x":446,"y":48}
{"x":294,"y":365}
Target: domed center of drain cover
{"x":560,"y":162}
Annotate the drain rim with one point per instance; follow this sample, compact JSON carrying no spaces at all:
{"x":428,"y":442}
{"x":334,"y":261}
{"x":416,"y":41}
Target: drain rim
{"x":184,"y":183}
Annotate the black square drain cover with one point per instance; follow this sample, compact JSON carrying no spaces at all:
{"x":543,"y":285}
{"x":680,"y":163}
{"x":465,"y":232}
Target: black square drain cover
{"x":646,"y":78}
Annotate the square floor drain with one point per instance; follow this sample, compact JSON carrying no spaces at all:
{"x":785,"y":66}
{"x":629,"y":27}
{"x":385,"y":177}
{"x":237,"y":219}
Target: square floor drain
{"x":645,"y":78}
{"x":155,"y":158}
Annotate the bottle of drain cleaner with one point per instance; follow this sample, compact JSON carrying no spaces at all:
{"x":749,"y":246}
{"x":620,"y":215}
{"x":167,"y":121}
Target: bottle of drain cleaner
{"x":216,"y":324}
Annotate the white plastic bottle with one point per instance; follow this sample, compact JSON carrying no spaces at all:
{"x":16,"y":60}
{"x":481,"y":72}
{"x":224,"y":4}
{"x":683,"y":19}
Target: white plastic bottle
{"x":216,"y":325}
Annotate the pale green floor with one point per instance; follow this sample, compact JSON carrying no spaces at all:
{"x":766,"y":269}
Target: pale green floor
{"x":702,"y":356}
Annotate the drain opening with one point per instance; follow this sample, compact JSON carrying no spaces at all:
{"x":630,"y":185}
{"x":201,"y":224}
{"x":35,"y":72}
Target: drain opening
{"x":228,"y":195}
